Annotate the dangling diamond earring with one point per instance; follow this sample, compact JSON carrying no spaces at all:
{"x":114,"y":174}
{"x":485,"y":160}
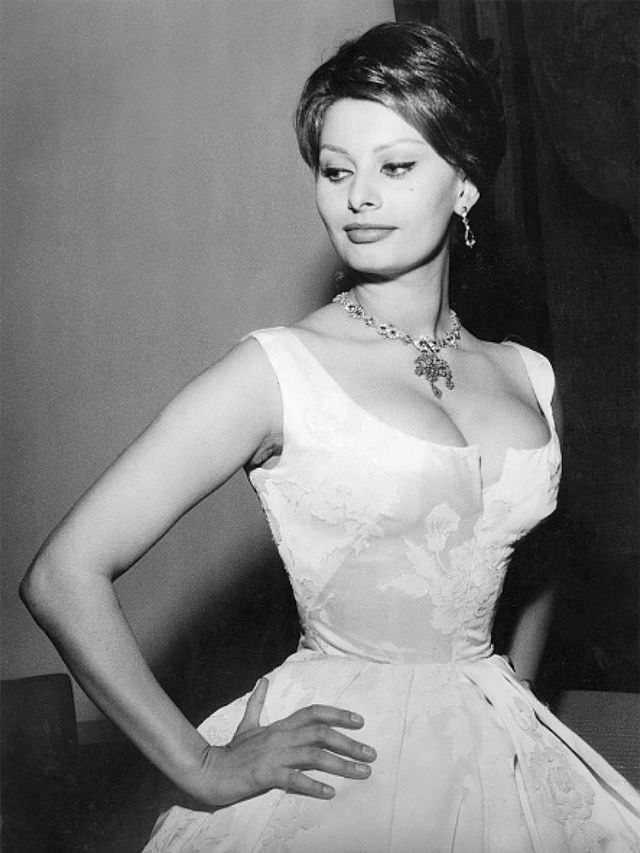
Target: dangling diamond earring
{"x":469,"y":236}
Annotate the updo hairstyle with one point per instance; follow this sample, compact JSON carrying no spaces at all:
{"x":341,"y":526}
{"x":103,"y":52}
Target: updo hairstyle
{"x":426,"y":78}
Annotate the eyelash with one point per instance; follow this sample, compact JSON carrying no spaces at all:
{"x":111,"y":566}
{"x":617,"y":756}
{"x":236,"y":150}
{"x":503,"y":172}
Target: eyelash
{"x":392,"y":170}
{"x":403,"y":167}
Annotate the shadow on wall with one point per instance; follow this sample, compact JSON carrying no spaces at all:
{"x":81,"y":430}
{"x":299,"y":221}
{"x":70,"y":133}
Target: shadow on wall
{"x":235,"y":640}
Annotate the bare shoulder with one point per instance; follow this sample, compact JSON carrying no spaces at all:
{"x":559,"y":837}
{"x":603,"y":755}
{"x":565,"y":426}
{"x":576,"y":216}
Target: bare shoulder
{"x":241,"y":372}
{"x":499,"y":366}
{"x":322,"y":321}
{"x":234,"y":403}
{"x":247,"y":363}
{"x":506,"y":357}
{"x":244,"y":378}
{"x":331,"y":323}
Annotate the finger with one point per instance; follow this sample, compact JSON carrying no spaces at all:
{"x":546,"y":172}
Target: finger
{"x":315,"y":758}
{"x":323,"y":714}
{"x":255,"y":704}
{"x":321,"y":735}
{"x":294,"y":782}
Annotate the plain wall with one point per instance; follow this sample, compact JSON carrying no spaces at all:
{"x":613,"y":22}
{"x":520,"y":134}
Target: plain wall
{"x":155,"y":209}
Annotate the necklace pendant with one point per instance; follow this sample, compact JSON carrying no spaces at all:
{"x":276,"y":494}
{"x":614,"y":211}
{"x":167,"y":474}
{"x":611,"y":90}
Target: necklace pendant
{"x":432,"y":367}
{"x":428,"y":363}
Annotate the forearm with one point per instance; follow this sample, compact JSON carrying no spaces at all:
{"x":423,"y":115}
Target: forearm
{"x":80,"y":613}
{"x":530,"y":635}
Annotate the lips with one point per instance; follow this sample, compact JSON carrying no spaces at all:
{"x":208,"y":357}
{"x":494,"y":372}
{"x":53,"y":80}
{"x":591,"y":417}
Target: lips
{"x":359,"y":233}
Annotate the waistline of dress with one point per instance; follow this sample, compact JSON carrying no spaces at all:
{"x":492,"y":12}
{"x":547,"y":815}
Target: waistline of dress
{"x":316,"y":650}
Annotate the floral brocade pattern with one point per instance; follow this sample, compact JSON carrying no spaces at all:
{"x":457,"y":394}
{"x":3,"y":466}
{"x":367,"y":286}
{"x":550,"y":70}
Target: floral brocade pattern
{"x":463,"y":583}
{"x":397,"y":555}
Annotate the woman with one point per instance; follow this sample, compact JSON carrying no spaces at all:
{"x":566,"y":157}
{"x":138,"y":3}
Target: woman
{"x":397,"y":470}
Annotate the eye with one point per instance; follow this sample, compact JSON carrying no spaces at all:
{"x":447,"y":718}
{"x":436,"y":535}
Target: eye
{"x":397,"y":170}
{"x":335,"y":174}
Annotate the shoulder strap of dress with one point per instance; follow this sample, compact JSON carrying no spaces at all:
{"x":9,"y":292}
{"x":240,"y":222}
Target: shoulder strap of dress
{"x":289,"y":359}
{"x":293,"y":362}
{"x":276,"y":345}
{"x":541,"y":376}
{"x":301,"y":383}
{"x":268,"y":340}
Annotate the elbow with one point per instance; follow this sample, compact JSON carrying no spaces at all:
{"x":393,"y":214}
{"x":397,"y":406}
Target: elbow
{"x":60,"y":583}
{"x":43,"y":589}
{"x":36,"y":586}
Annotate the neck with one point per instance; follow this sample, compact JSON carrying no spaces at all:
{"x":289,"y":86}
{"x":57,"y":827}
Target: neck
{"x":416,"y":302}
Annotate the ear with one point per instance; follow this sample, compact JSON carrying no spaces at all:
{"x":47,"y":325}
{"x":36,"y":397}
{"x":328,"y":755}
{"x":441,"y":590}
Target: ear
{"x":467,"y":196}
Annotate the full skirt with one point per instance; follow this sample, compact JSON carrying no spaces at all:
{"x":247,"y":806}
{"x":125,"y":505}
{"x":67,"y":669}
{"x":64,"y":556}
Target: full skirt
{"x":469,"y":761}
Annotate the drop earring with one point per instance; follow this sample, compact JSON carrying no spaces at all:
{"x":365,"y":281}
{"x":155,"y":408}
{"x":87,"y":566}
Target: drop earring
{"x":469,"y":236}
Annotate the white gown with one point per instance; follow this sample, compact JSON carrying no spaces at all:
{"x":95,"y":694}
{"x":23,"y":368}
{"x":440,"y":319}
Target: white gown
{"x":397,"y":555}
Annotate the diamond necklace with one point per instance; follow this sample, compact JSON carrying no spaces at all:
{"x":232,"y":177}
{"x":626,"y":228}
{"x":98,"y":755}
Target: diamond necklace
{"x":428,"y":363}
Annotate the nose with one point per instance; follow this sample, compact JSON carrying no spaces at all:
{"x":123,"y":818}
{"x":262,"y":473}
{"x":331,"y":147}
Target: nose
{"x":363,"y":194}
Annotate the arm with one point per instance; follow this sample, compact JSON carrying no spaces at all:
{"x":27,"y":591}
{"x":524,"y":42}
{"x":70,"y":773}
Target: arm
{"x":530,"y":634}
{"x":213,"y":427}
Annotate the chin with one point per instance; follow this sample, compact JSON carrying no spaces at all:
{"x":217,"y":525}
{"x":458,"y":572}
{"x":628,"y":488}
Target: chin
{"x":371,"y":266}
{"x":381,"y":265}
{"x":379,"y":269}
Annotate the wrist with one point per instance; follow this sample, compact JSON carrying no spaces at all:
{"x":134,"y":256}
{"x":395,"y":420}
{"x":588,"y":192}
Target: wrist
{"x":196,"y":776}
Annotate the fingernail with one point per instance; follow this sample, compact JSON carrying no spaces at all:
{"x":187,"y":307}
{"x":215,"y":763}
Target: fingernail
{"x":363,"y":769}
{"x":327,"y":791}
{"x":368,"y":751}
{"x":356,"y":718}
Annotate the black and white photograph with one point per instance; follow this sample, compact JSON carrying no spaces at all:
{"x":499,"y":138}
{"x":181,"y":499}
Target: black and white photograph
{"x":320,"y":426}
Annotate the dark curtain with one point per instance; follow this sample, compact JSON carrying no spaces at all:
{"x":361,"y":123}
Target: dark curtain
{"x":558,"y":270}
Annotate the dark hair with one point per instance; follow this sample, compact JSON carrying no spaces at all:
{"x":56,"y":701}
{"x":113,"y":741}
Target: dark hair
{"x":428,"y":79}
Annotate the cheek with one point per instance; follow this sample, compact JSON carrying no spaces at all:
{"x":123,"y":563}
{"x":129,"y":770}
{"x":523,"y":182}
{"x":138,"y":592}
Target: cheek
{"x":323,"y":207}
{"x":326,"y":208}
{"x":421,"y":209}
{"x":428,"y":206}
{"x":321,"y":202}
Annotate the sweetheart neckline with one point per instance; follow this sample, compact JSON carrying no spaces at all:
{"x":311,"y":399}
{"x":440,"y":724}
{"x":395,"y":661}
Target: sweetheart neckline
{"x":464,"y":448}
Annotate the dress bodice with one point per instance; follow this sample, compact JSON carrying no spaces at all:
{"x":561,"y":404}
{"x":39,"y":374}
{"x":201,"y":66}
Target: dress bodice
{"x":395,"y":550}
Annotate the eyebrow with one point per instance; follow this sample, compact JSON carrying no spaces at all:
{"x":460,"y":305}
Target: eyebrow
{"x":412,"y":139}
